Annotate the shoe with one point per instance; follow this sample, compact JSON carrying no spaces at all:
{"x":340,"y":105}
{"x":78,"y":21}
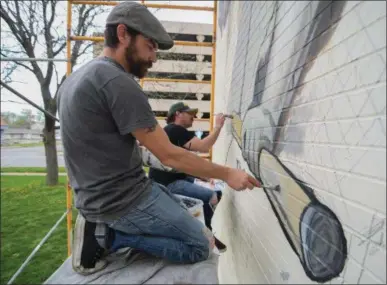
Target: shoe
{"x":220,"y":245}
{"x":87,"y":253}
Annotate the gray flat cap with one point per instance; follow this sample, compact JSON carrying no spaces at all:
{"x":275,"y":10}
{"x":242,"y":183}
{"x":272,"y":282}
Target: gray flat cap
{"x":140,"y":19}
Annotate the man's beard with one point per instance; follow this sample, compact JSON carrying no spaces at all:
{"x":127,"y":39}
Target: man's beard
{"x":138,"y":67}
{"x":189,"y":123}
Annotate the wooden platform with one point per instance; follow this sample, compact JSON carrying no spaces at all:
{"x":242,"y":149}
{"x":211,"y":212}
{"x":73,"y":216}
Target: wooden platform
{"x":142,"y":269}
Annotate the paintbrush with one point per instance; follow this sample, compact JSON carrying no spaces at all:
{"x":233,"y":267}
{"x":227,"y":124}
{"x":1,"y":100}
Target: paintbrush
{"x":276,"y":188}
{"x":227,"y":116}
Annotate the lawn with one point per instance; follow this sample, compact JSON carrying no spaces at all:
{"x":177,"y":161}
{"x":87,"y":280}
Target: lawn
{"x":25,"y":144}
{"x":28,"y":210}
{"x":38,"y":169}
{"x":29,"y":169}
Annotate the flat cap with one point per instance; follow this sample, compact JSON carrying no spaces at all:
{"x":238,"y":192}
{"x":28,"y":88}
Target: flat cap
{"x":140,"y":19}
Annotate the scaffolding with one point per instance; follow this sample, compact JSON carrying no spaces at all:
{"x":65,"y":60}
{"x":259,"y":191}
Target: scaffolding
{"x":71,"y":38}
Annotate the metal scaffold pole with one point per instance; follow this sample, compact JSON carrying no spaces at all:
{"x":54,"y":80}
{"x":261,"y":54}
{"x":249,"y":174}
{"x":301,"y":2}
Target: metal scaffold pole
{"x":69,"y":198}
{"x":213,"y":68}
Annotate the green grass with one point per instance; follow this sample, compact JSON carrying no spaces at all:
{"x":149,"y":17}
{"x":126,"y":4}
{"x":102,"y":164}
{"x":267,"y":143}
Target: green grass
{"x":28,"y":169}
{"x":38,"y":169}
{"x":25,"y":144}
{"x":28,"y":210}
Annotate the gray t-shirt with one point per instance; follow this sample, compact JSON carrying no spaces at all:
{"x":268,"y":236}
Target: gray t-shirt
{"x":99,"y":106}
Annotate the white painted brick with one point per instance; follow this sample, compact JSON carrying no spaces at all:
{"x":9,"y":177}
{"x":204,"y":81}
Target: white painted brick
{"x":333,"y":140}
{"x":369,"y":163}
{"x":370,"y":10}
{"x":358,"y":249}
{"x":370,"y":75}
{"x":375,"y":31}
{"x":371,"y":194}
{"x":339,"y":55}
{"x":347,"y":77}
{"x":374,"y":134}
{"x":379,"y":226}
{"x":368,"y":278}
{"x":352,"y":272}
{"x":366,"y":40}
{"x":351,"y":20}
{"x":337,"y":280}
{"x":373,"y":264}
{"x":350,"y":5}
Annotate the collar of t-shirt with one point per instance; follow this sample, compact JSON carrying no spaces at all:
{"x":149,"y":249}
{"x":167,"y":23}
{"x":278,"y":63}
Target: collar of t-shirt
{"x":116,"y":64}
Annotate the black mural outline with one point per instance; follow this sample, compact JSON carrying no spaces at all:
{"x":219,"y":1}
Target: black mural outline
{"x":326,"y":14}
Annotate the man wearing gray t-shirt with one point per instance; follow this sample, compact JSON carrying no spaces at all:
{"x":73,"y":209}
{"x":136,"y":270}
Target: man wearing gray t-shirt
{"x":103,"y":112}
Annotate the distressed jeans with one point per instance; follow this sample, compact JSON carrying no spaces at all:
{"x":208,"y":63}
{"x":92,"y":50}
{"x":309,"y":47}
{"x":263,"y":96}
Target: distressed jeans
{"x":161,"y":227}
{"x":190,"y":189}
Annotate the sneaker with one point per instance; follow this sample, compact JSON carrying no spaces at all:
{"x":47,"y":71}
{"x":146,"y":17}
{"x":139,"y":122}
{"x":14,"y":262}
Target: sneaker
{"x":87,"y":253}
{"x":220,"y":245}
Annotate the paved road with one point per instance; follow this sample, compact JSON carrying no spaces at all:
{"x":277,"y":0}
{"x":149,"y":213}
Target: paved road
{"x":27,"y":156}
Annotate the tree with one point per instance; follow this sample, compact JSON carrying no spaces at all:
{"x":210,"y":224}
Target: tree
{"x":39,"y":117}
{"x":9,"y":117}
{"x":31,"y":26}
{"x":23,"y":120}
{"x":27,"y":117}
{"x":7,"y":68}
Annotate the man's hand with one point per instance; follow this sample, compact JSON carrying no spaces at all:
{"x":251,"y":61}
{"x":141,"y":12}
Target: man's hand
{"x":239,"y":180}
{"x":204,"y":145}
{"x":219,"y":120}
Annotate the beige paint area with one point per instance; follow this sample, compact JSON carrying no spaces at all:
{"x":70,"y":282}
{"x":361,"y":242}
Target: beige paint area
{"x":237,"y":128}
{"x":292,"y":196}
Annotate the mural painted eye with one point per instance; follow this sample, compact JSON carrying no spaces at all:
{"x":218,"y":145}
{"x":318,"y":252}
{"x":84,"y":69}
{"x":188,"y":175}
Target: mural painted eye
{"x":324,"y":247}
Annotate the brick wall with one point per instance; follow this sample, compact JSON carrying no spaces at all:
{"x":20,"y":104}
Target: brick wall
{"x":306,"y":82}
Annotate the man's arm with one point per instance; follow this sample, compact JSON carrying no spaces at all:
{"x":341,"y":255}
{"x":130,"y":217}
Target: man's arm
{"x":204,"y":145}
{"x":156,"y":140}
{"x":150,"y":160}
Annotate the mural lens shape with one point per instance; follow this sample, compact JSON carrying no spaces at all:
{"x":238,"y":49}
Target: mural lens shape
{"x":312,"y":229}
{"x":323,"y":242}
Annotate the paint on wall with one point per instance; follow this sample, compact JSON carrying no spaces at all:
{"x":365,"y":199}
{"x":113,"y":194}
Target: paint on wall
{"x":313,"y":230}
{"x":223,"y":10}
{"x":306,"y":83}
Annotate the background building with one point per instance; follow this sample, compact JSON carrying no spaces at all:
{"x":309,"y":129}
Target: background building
{"x":181,"y":62}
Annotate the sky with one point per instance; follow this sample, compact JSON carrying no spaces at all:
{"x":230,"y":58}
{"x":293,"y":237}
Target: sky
{"x":26,"y":83}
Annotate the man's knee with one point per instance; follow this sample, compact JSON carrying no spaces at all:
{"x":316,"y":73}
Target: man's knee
{"x":206,"y":246}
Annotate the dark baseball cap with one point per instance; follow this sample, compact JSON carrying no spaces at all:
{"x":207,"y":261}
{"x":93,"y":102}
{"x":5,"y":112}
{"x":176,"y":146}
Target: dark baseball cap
{"x":140,"y":19}
{"x":181,"y":107}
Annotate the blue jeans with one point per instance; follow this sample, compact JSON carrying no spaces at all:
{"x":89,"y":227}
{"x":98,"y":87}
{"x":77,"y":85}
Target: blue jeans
{"x":160,"y":226}
{"x":190,"y":189}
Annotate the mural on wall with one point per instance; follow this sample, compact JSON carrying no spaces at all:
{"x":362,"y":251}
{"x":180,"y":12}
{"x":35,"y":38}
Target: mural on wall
{"x":313,"y":230}
{"x":223,"y":8}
